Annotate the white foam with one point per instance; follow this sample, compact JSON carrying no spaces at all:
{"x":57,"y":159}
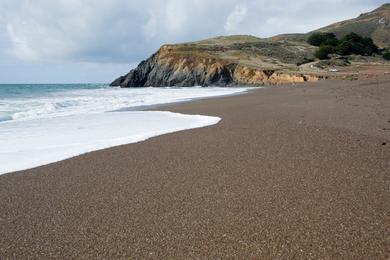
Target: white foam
{"x":99,"y":100}
{"x":37,"y":129}
{"x":27,"y":144}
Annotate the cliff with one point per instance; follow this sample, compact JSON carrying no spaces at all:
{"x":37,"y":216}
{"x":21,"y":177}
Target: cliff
{"x":222,"y":61}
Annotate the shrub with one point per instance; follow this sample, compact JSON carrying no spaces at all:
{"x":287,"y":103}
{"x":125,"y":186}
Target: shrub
{"x":370,"y":46}
{"x":353,"y":43}
{"x":315,"y":39}
{"x":323,"y":52}
{"x":344,"y":48}
{"x":318,"y":39}
{"x":386,"y":55}
{"x":352,"y":37}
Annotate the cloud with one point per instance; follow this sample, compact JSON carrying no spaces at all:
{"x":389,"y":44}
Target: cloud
{"x":125,"y":31}
{"x":234,"y":19}
{"x":79,"y":30}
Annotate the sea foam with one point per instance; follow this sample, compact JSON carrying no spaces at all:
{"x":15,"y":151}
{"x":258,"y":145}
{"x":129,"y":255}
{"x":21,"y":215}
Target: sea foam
{"x":27,"y":144}
{"x":49,"y":104}
{"x":47,"y":123}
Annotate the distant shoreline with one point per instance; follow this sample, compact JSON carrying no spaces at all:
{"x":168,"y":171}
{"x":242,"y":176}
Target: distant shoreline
{"x":169,"y":104}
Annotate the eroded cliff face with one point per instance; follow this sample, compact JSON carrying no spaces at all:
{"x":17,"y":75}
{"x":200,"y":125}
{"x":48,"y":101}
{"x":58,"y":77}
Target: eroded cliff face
{"x":170,"y":67}
{"x":248,"y":76}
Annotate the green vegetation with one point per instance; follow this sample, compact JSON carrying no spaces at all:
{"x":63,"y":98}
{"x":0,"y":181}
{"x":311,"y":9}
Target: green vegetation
{"x":323,"y":52}
{"x":318,"y":39}
{"x":355,"y":44}
{"x":386,"y":55}
{"x":352,"y":43}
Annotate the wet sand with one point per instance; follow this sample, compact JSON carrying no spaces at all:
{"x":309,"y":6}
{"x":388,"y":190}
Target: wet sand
{"x":290,"y":172}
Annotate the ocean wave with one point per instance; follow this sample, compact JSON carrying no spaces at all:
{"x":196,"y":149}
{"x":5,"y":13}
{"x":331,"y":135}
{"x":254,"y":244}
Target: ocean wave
{"x":90,"y":101}
{"x":36,"y":129}
{"x":28,"y":144}
{"x":5,"y":117}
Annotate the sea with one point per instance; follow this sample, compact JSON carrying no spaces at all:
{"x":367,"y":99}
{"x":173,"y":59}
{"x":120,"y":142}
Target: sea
{"x":46,"y":123}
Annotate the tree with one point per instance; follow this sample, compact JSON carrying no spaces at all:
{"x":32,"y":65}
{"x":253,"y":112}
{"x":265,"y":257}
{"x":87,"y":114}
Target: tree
{"x":353,"y":43}
{"x":352,"y":37}
{"x":386,"y":55}
{"x":318,"y":39}
{"x":344,"y":48}
{"x":315,"y":39}
{"x":370,"y":47}
{"x":323,"y":52}
{"x":358,"y":48}
{"x":331,"y":41}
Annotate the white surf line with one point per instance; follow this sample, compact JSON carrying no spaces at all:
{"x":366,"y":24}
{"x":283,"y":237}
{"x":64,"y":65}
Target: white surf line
{"x":29,"y":144}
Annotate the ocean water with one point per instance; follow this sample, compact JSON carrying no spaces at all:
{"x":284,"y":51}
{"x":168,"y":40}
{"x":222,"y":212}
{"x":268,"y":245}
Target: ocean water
{"x":26,"y":102}
{"x":41,"y":124}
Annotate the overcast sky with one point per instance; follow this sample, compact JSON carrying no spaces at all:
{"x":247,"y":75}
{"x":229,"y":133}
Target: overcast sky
{"x":56,"y":41}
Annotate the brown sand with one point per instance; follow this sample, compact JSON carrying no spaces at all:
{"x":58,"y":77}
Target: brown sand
{"x":290,"y":172}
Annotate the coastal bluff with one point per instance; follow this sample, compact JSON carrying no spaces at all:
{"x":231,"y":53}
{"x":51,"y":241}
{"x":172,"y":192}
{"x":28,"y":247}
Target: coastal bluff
{"x":222,"y":61}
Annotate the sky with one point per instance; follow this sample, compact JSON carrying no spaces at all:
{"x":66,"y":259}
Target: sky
{"x":89,"y":41}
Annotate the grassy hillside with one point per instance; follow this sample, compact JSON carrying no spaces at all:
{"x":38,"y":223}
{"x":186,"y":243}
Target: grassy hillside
{"x":375,"y":24}
{"x":248,"y":51}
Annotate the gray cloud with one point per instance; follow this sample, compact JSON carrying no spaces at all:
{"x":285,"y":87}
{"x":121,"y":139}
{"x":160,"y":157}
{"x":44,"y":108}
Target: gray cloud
{"x":118,"y":31}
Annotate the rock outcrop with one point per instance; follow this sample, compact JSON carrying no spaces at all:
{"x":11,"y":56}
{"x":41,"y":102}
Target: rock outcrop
{"x":223,"y":61}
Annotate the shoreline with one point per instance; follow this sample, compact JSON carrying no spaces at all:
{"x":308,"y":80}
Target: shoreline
{"x":248,"y":89}
{"x":69,"y":129}
{"x":77,"y":138}
{"x":290,"y":172}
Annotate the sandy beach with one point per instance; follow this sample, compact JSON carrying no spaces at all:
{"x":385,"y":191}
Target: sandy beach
{"x":291,"y":172}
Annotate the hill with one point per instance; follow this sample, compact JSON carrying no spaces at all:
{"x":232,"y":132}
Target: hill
{"x":248,"y":60}
{"x":375,"y":24}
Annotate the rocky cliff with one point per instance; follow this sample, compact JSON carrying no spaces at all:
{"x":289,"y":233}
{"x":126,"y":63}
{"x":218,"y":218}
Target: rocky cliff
{"x":222,"y":61}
